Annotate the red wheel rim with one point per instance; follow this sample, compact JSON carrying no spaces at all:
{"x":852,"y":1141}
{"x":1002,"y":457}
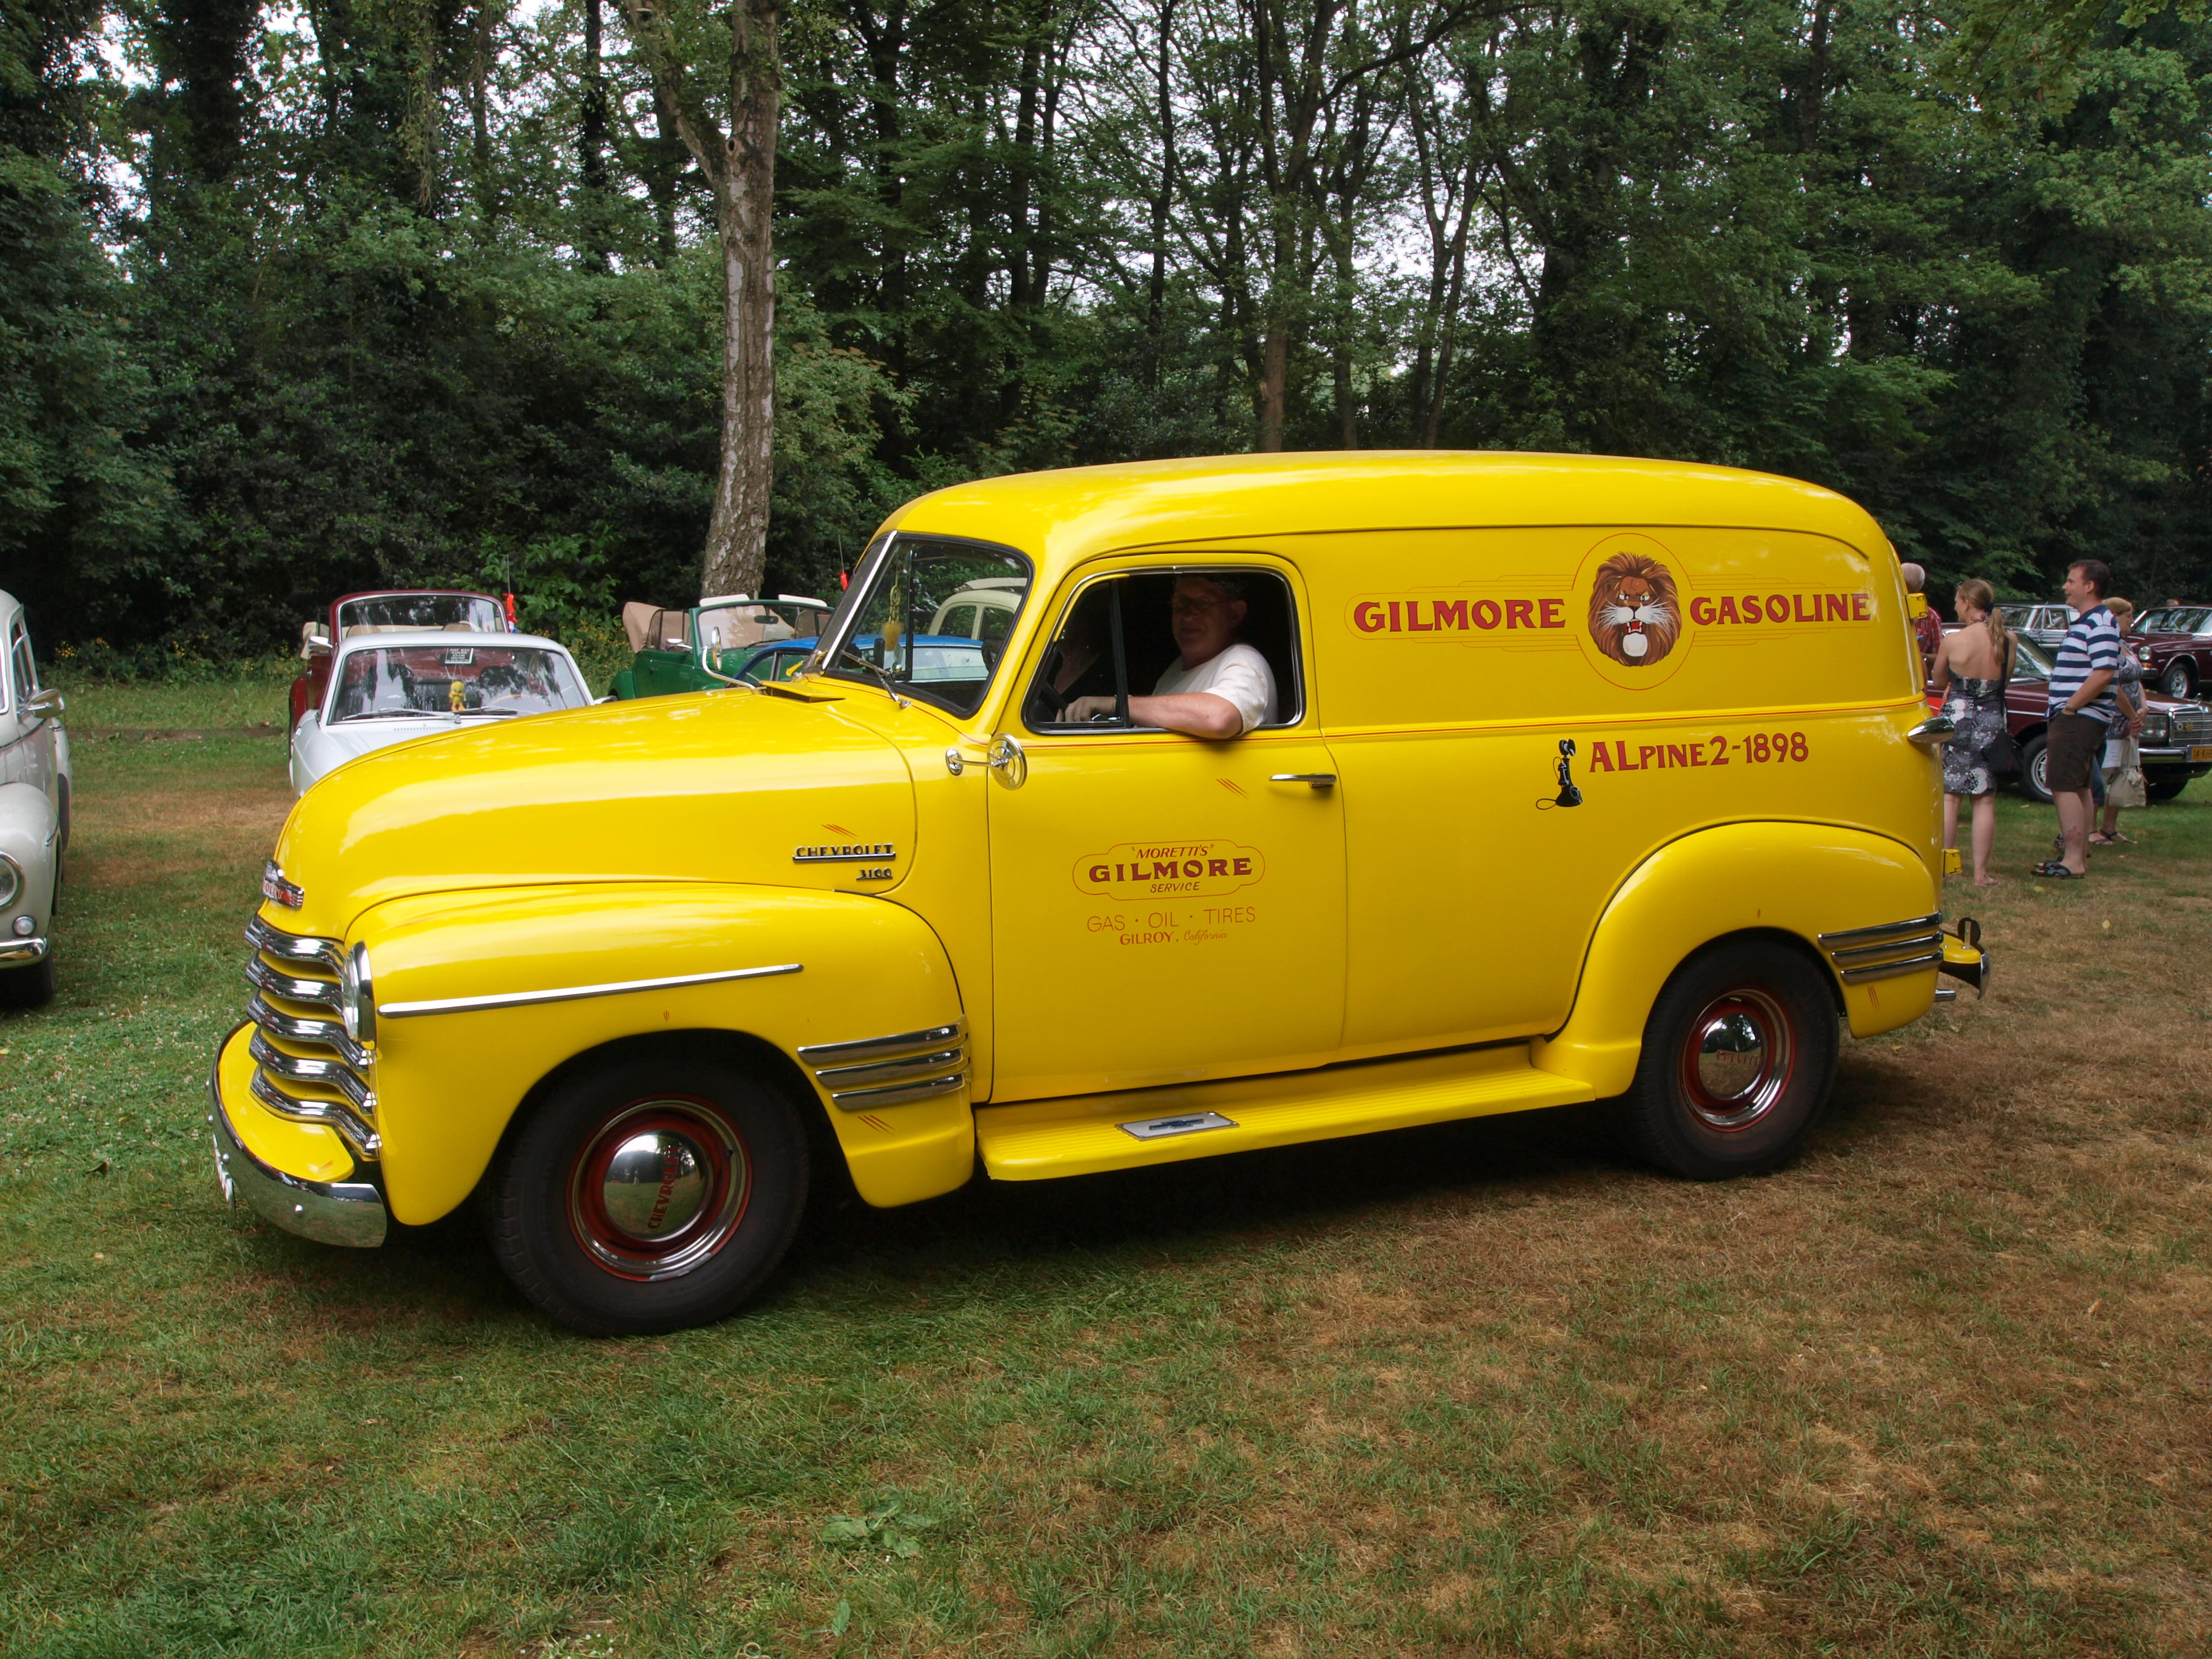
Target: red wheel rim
{"x":1737,"y":1059}
{"x":658,"y":1186}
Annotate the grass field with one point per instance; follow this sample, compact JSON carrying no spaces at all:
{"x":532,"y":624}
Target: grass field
{"x":1940,"y":1389}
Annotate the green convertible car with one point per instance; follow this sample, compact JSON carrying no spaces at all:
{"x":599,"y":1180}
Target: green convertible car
{"x":708,"y":645}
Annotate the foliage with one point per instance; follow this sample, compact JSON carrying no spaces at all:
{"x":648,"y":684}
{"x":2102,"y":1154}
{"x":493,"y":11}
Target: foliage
{"x":373,"y":295}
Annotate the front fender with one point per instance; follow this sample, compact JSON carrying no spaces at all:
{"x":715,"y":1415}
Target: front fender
{"x":1804,"y":879}
{"x":30,"y":834}
{"x":456,"y":1055}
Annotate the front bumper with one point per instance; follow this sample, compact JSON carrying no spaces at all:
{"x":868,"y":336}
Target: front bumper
{"x":16,"y":952}
{"x":335,"y":1211}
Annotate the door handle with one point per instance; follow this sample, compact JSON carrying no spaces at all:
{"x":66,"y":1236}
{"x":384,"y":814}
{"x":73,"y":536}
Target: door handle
{"x":1314,"y":779}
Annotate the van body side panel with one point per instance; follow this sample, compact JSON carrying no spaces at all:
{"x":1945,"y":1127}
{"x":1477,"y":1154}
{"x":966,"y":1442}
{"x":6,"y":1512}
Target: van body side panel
{"x":448,"y":1082}
{"x":1798,"y":878}
{"x":1705,"y":675}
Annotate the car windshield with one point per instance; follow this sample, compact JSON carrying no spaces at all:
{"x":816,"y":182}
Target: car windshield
{"x":468,"y":681}
{"x":2180,"y":622}
{"x":2028,"y":662}
{"x":387,"y":613}
{"x":882,"y":632}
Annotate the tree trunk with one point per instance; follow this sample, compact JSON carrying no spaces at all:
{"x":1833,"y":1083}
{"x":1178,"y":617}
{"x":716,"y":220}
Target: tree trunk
{"x":1274,"y":382}
{"x":591,"y":143}
{"x":744,"y":190}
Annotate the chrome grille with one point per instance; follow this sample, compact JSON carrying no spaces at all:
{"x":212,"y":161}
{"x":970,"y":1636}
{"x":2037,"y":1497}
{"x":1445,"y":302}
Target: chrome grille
{"x":1889,"y":951}
{"x":2188,"y":725}
{"x":890,"y":1071}
{"x":306,"y":1068}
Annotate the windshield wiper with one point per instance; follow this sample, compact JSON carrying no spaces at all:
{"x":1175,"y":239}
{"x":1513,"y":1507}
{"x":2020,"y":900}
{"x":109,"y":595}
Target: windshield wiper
{"x":882,"y":678}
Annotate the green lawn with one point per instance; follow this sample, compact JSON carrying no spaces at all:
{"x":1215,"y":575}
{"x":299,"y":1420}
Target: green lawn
{"x":1940,"y":1389}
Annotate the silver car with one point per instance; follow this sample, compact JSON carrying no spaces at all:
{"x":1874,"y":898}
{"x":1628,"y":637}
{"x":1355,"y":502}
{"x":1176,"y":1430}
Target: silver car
{"x":35,"y":817}
{"x":2046,"y":624}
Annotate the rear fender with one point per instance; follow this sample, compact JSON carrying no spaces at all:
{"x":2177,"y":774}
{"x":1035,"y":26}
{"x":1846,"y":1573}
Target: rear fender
{"x":456,"y":1056}
{"x":1799,"y":879}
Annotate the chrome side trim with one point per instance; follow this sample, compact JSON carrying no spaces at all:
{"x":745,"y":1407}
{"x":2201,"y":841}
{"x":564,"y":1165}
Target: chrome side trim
{"x":1894,"y":969}
{"x":293,"y":1028}
{"x":573,"y":993}
{"x":883,"y":1047}
{"x":366,"y":1144}
{"x":263,"y":978}
{"x":862,"y":1100}
{"x":294,"y":947}
{"x":16,"y":952}
{"x":1936,"y":730}
{"x":890,"y":1070}
{"x":1865,"y":952}
{"x":1867,"y":935}
{"x":348,"y":1212}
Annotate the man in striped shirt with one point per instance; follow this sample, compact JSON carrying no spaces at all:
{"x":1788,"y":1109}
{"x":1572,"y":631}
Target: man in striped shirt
{"x":2080,"y":711}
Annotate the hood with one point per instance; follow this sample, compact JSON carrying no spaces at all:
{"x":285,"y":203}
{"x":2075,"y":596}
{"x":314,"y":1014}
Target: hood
{"x":720,"y":787}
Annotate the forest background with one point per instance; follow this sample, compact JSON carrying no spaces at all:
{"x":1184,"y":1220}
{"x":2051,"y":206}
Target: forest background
{"x":296,"y":299}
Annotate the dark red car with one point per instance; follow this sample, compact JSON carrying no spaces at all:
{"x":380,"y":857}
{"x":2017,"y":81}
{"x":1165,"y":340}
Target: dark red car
{"x":2176,"y":740}
{"x":389,"y":610}
{"x":2175,"y":642}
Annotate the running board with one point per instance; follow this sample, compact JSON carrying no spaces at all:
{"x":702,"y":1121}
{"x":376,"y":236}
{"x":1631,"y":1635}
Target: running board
{"x":1083,"y":1134}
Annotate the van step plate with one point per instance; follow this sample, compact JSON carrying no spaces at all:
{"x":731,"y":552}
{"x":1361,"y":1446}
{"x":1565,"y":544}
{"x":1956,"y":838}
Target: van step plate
{"x":1082,"y":1134}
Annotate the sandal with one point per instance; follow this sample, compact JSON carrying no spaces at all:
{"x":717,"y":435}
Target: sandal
{"x":2054,"y":870}
{"x":2099,"y":838}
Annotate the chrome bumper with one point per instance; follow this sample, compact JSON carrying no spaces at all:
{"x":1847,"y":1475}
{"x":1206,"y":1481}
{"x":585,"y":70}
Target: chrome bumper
{"x":329,"y":1211}
{"x":18,"y":952}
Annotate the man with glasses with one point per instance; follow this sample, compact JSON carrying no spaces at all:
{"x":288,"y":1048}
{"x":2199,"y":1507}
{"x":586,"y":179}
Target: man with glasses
{"x":1217,"y":688}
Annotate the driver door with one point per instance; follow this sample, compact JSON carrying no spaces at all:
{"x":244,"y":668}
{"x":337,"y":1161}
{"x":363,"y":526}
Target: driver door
{"x":1166,"y":908}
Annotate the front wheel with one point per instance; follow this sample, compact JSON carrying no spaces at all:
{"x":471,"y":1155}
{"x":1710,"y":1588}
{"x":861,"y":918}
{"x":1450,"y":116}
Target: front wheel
{"x":2035,"y":769}
{"x":655,"y":1194}
{"x":29,"y":987}
{"x":1739,"y":1053}
{"x":2180,"y":678}
{"x":2165,"y":783}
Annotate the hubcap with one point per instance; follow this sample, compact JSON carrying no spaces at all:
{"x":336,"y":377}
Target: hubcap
{"x":658,"y":1186}
{"x":1736,"y":1059}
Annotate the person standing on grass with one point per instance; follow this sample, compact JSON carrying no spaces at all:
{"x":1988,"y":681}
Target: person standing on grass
{"x":1927,"y":626}
{"x":2123,"y":760}
{"x":1972,"y":667}
{"x":2082,"y":710}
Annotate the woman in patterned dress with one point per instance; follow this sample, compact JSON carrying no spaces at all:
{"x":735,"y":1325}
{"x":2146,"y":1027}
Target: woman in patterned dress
{"x":1972,"y":667}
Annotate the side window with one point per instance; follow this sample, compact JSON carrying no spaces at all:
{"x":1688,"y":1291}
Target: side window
{"x":26,"y":674}
{"x":1146,"y":633}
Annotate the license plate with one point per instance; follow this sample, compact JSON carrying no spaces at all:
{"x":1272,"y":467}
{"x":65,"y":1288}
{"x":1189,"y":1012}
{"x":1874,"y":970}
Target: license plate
{"x":2202,"y":752}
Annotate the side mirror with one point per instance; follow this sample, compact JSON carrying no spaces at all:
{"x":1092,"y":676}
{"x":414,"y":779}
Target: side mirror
{"x":46,"y":705}
{"x":315,"y":639}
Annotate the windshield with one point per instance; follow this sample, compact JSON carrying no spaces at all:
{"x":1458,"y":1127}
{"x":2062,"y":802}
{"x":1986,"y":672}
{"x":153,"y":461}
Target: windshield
{"x":2177,"y":622}
{"x":883,"y":632}
{"x":469,"y":681}
{"x":2028,"y":662}
{"x":385,"y":613}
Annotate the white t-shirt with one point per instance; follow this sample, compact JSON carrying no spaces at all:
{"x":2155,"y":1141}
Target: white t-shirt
{"x":1240,"y":674}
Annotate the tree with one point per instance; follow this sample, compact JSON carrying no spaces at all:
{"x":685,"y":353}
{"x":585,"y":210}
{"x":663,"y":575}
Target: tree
{"x":735,"y":149}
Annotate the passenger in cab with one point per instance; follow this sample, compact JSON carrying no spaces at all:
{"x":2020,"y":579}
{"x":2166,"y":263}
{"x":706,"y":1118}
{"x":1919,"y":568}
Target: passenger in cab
{"x":1217,"y":688}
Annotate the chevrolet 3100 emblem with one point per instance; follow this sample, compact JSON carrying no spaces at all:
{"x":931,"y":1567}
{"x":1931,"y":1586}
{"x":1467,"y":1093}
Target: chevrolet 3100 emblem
{"x":869,"y":852}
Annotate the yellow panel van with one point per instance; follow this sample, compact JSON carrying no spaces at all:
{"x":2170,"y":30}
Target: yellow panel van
{"x":1297,"y":796}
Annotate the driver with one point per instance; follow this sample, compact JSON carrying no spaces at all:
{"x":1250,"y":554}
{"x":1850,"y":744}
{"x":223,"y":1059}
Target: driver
{"x":1217,"y":687}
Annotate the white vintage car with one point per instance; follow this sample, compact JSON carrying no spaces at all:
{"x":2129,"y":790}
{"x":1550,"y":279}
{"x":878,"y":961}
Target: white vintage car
{"x":35,"y":817}
{"x":385,"y":688}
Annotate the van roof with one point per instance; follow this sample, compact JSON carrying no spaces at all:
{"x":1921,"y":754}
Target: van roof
{"x":1061,"y":517}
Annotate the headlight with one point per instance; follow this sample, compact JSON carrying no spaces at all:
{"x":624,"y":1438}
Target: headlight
{"x":11,"y":880}
{"x":2153,"y":726}
{"x":357,"y":996}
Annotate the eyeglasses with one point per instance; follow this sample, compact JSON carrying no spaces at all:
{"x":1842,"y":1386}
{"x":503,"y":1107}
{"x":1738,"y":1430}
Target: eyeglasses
{"x":1191,"y":605}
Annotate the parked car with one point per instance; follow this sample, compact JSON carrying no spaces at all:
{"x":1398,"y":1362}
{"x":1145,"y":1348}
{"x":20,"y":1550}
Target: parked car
{"x":389,"y":610}
{"x":628,"y":977}
{"x":2175,"y":643}
{"x":707,"y":644}
{"x":2045,"y":624}
{"x":35,"y":817}
{"x":2176,"y":741}
{"x":394,"y":688}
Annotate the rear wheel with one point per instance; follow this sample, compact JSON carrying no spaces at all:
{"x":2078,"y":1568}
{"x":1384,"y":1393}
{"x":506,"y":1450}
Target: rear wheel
{"x":656,"y":1194}
{"x":1739,"y":1053}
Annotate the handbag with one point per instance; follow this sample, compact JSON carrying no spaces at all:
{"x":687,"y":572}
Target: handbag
{"x":2003,"y":754}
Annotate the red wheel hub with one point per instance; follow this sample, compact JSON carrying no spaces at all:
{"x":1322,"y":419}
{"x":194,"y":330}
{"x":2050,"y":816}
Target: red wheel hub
{"x":1736,"y":1059}
{"x":658,"y":1186}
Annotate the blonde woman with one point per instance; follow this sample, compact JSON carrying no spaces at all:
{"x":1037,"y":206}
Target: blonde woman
{"x":1971,"y":666}
{"x":2122,"y":766}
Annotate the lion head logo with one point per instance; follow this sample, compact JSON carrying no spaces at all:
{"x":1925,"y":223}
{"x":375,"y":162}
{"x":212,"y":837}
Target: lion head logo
{"x":1634,"y":612}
